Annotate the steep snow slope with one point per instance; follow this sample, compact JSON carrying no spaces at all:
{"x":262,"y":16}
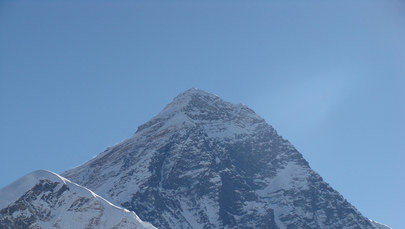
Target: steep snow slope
{"x":43,"y":199}
{"x":206,"y":163}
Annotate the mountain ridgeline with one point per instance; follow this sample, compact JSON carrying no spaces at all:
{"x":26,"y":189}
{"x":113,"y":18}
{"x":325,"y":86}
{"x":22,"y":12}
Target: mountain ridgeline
{"x":200,"y":163}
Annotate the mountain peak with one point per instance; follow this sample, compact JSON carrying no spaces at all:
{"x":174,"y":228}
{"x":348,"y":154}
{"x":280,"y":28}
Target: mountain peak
{"x":209,"y":112}
{"x":190,"y":97}
{"x":195,"y":92}
{"x":206,"y":163}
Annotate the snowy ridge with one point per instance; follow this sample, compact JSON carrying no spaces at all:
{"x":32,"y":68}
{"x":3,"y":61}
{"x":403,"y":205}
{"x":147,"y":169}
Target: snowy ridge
{"x":43,"y":199}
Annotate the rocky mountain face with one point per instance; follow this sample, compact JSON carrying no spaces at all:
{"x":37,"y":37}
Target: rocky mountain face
{"x":206,"y":163}
{"x":43,"y":199}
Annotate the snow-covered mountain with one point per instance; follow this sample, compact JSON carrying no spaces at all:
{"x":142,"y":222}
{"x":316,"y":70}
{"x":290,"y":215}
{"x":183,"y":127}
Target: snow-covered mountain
{"x":43,"y":199}
{"x":206,"y":163}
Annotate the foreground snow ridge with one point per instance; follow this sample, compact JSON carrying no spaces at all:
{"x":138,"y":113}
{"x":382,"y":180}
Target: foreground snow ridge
{"x":43,"y":199}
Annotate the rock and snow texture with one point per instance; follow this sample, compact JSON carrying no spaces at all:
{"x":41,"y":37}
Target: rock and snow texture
{"x":206,"y":163}
{"x":379,"y":225}
{"x":43,"y":199}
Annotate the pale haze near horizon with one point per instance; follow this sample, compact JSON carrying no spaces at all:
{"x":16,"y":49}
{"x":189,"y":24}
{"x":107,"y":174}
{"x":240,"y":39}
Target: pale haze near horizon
{"x":77,"y":77}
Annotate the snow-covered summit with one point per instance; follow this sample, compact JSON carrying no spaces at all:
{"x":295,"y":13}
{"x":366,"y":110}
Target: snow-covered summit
{"x":199,"y":101}
{"x":196,"y":107}
{"x":186,"y":96}
{"x":43,"y":199}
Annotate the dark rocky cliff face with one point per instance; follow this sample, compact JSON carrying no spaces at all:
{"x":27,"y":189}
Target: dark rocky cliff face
{"x":206,"y":163}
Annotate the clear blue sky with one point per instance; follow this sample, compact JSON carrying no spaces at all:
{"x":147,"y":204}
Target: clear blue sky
{"x":79,"y":76}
